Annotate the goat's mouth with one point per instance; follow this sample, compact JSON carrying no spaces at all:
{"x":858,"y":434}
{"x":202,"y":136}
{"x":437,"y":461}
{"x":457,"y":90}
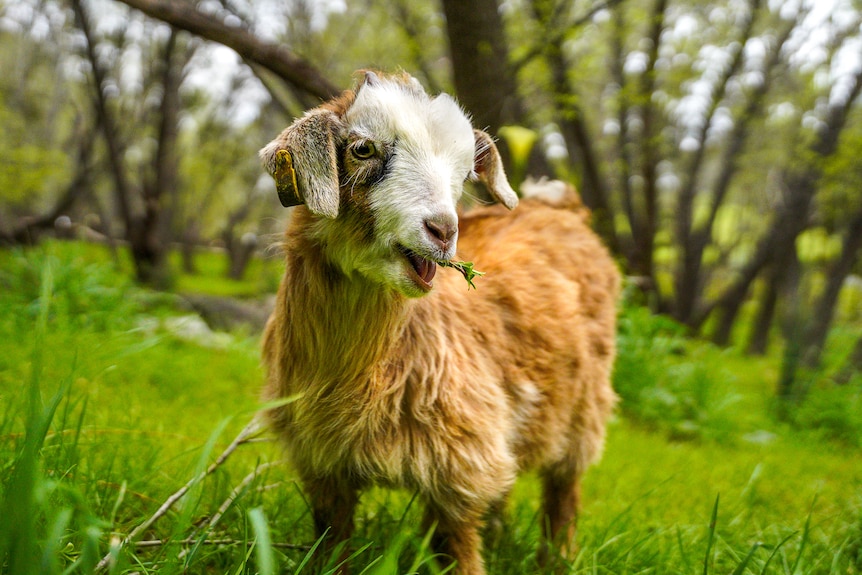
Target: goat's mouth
{"x":422,"y":270}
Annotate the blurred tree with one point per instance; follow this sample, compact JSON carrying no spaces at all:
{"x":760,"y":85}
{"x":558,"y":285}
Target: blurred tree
{"x":46,"y":143}
{"x":142,"y":203}
{"x":801,"y":183}
{"x":554,"y":23}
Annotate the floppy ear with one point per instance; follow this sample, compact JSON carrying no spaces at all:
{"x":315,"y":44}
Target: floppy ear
{"x":489,"y":170}
{"x":303,"y":162}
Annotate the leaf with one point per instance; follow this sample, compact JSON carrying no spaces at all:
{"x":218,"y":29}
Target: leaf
{"x":466,"y":269}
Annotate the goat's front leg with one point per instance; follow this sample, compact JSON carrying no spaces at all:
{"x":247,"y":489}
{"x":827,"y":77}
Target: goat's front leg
{"x":332,"y":506}
{"x":458,"y":536}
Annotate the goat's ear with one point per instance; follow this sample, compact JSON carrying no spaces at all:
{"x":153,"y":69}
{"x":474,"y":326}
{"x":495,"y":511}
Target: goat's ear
{"x":303,"y":161}
{"x":489,"y":170}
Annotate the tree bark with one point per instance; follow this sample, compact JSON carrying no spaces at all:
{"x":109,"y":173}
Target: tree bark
{"x":274,"y":57}
{"x":623,"y":145}
{"x":758,"y":341}
{"x":480,"y":63}
{"x":777,"y":246}
{"x":818,"y":328}
{"x":853,"y":365}
{"x":143,"y":228}
{"x":788,"y":390}
{"x":239,"y":250}
{"x":649,"y":145}
{"x":151,"y":251}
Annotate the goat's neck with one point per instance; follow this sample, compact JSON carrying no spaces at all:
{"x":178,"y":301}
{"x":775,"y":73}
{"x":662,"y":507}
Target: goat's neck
{"x":339,"y":328}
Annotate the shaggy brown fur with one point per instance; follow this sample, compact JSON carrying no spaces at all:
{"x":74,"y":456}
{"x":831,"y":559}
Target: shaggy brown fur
{"x":451,"y":394}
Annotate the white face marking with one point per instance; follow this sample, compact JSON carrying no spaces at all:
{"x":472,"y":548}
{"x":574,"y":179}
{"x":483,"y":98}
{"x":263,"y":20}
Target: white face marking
{"x":429,"y":149}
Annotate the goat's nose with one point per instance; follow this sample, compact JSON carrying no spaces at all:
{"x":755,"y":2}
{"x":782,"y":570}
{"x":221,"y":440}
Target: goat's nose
{"x":441,"y":231}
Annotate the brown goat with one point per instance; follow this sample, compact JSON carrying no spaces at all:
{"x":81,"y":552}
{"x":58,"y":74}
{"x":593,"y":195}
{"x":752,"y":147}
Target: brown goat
{"x":406,"y":380}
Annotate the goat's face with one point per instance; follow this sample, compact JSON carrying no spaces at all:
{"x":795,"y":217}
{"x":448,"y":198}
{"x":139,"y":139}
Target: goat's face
{"x":383,"y":168}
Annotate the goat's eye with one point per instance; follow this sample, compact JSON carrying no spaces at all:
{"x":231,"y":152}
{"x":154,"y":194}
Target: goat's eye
{"x":364,"y":150}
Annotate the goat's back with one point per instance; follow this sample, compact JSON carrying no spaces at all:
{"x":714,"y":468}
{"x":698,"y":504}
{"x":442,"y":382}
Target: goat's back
{"x":546,"y":309}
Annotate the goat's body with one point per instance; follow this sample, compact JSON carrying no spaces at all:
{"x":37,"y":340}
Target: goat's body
{"x":454,"y":393}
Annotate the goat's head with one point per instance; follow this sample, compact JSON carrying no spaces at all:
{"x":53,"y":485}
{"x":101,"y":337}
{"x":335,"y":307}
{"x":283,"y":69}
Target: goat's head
{"x":382,"y":169}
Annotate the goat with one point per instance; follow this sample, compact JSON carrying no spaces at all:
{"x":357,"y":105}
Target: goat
{"x":401,"y":376}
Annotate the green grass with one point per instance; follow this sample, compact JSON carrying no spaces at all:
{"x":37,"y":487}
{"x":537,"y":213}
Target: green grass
{"x":104,"y":413}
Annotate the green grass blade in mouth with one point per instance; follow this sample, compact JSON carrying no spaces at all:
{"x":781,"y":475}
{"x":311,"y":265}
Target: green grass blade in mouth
{"x":466,"y":269}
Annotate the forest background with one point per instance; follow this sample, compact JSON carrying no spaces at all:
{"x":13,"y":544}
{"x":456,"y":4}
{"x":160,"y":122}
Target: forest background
{"x":716,"y":144}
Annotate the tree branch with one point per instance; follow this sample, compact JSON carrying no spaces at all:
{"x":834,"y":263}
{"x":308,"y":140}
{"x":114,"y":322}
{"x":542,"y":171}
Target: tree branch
{"x":274,"y":57}
{"x":163,"y":542}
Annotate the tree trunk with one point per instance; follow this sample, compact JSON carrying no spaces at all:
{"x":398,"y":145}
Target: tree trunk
{"x":240,"y":254}
{"x":649,"y":156}
{"x":788,"y":390}
{"x":239,"y":250}
{"x":758,"y":341}
{"x":156,"y":222}
{"x":623,"y":146}
{"x":480,"y":63}
{"x":853,"y":365}
{"x":791,"y":219}
{"x":143,"y":231}
{"x":818,"y":328}
{"x":777,"y":247}
{"x":122,"y":187}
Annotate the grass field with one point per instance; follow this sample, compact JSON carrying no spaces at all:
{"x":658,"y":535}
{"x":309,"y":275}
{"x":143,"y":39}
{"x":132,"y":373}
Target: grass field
{"x":110,"y":402}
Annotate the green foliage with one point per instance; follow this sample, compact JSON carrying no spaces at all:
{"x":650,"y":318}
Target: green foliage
{"x":86,"y":293}
{"x":37,"y":120}
{"x":27,"y":171}
{"x":465,"y":269}
{"x":668,"y":383}
{"x":210,"y":277}
{"x":833,"y":412}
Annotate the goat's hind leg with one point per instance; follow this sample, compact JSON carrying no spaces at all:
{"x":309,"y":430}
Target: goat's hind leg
{"x":458,"y":537}
{"x":561,"y":502}
{"x":495,"y":522}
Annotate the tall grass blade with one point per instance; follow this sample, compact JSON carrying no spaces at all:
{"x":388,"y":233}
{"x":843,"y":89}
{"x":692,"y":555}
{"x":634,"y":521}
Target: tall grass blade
{"x":263,"y":547}
{"x":423,"y":548}
{"x":682,"y":551}
{"x":310,"y":554}
{"x":712,"y":524}
{"x":346,"y":562}
{"x":804,"y":542}
{"x":775,"y":552}
{"x":741,"y":567}
{"x":51,"y":550}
